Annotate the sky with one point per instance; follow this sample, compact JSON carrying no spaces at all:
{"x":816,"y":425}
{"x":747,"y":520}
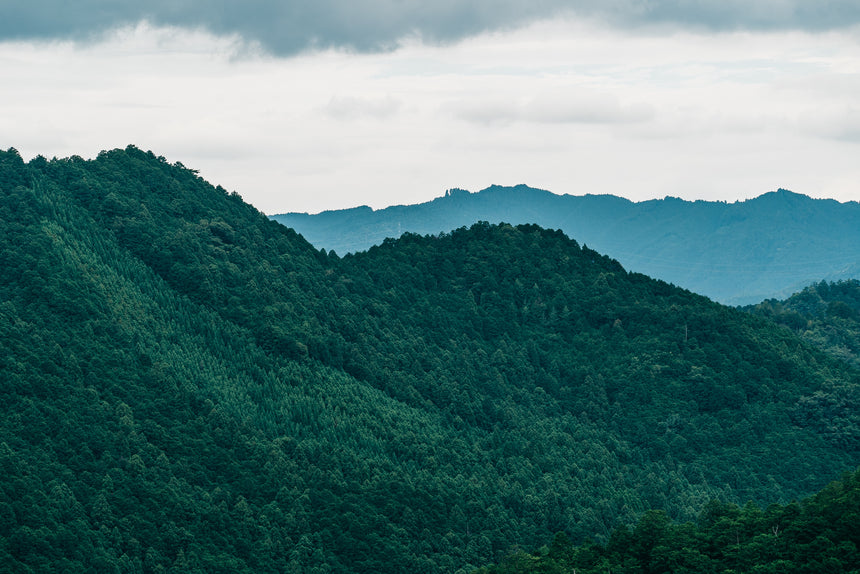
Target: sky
{"x":308,"y":106}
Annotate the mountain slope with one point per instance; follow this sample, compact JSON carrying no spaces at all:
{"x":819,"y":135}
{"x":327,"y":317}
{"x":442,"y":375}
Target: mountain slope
{"x":145,"y":432}
{"x":191,"y":386}
{"x":738,"y":253}
{"x":819,"y":534}
{"x":825,"y":314}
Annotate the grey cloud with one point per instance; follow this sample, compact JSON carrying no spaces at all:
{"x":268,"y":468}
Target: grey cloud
{"x":563,"y":107}
{"x":279,"y":26}
{"x":583,"y":108}
{"x":350,"y":107}
{"x":742,"y":14}
{"x":486,"y":112}
{"x":289,"y":26}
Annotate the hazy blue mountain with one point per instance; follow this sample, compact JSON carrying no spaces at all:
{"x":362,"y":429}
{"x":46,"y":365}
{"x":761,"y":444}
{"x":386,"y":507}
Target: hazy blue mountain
{"x":736,"y":253}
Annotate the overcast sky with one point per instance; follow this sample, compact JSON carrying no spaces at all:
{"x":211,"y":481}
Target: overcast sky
{"x":306,"y":106}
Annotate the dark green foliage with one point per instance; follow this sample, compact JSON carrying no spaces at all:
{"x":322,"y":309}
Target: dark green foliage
{"x":738,"y":253}
{"x":819,"y":534}
{"x":188,"y":386}
{"x":825,"y":314}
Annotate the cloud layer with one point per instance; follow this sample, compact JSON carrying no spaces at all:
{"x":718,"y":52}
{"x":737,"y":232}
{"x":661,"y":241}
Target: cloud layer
{"x":286,"y":27}
{"x":564,"y":104}
{"x":572,"y":106}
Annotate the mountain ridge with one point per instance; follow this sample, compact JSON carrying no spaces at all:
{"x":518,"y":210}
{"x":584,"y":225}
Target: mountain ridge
{"x":737,"y":253}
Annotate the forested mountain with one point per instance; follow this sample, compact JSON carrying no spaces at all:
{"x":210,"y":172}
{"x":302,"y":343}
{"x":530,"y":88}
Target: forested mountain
{"x":825,"y":314}
{"x":189,"y":386}
{"x":736,"y":253}
{"x":819,"y":535}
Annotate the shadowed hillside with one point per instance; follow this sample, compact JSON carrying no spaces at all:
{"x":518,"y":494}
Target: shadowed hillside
{"x":818,"y":534}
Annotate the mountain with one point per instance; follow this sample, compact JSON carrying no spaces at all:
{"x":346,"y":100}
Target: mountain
{"x":818,"y":534}
{"x":825,"y":314}
{"x":189,"y":386}
{"x":736,"y":253}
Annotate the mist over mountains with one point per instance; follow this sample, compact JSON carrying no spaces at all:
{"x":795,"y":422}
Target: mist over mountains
{"x":735,"y":253}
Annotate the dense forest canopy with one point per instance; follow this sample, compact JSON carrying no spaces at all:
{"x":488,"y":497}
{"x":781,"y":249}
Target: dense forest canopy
{"x":189,"y":386}
{"x":818,"y":535}
{"x":826,"y":314}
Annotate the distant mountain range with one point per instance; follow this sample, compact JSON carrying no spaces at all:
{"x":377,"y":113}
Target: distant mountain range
{"x":736,"y":253}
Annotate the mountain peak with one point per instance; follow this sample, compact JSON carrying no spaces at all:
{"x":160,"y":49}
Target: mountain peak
{"x":784,"y":195}
{"x":456,"y":192}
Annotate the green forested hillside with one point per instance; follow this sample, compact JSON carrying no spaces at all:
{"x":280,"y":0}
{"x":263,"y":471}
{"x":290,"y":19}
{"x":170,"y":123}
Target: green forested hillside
{"x":826,"y":314}
{"x":817,"y":535}
{"x":189,"y":386}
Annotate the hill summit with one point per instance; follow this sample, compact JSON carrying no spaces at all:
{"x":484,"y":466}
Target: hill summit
{"x":736,"y":253}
